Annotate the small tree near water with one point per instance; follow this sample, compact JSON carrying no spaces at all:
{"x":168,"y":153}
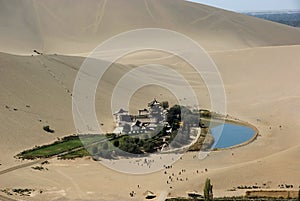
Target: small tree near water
{"x":208,"y":193}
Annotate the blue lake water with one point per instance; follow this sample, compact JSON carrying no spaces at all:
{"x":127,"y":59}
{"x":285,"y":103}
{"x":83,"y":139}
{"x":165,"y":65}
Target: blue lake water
{"x":231,"y":135}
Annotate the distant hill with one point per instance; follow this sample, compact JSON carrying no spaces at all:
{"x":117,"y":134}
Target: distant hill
{"x":58,"y":26}
{"x":291,"y":18}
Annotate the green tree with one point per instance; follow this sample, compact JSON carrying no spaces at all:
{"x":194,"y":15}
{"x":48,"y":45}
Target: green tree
{"x":136,"y":140}
{"x":173,"y":115}
{"x":128,"y":145}
{"x":179,"y":113}
{"x":141,"y":143}
{"x":116,"y":143}
{"x":165,"y":104}
{"x":208,"y":193}
{"x":149,"y":147}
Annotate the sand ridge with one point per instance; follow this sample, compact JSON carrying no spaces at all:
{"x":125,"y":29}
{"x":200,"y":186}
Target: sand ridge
{"x":78,"y":29}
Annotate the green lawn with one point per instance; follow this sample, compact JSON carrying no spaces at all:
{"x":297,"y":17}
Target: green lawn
{"x":51,"y":150}
{"x":76,"y":154}
{"x":64,"y":145}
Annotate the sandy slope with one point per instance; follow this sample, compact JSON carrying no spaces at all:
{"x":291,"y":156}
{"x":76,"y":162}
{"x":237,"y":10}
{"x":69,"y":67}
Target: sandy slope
{"x":260,"y":77}
{"x":259,"y":89}
{"x":68,"y":27}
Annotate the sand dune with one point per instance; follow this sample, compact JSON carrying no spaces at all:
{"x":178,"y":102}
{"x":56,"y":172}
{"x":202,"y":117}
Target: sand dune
{"x":267,"y":101}
{"x":258,"y":60}
{"x":73,"y":28}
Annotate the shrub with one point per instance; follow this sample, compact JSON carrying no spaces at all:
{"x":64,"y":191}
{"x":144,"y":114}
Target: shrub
{"x":165,"y":104}
{"x":149,"y":147}
{"x":48,"y":129}
{"x":116,"y":143}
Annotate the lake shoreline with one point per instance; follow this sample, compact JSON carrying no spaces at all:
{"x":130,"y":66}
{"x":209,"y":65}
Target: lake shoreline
{"x":232,"y":120}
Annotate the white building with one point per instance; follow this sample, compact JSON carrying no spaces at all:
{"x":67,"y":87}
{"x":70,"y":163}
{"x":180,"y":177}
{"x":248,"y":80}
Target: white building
{"x":146,"y":120}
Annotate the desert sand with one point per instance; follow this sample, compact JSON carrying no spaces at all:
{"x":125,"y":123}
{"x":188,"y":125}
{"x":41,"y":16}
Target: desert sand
{"x":258,"y":61}
{"x":76,"y":28}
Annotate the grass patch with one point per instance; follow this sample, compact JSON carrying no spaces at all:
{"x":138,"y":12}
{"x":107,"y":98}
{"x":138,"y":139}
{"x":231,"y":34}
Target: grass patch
{"x":47,"y":151}
{"x":66,"y":144}
{"x":75,"y":154}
